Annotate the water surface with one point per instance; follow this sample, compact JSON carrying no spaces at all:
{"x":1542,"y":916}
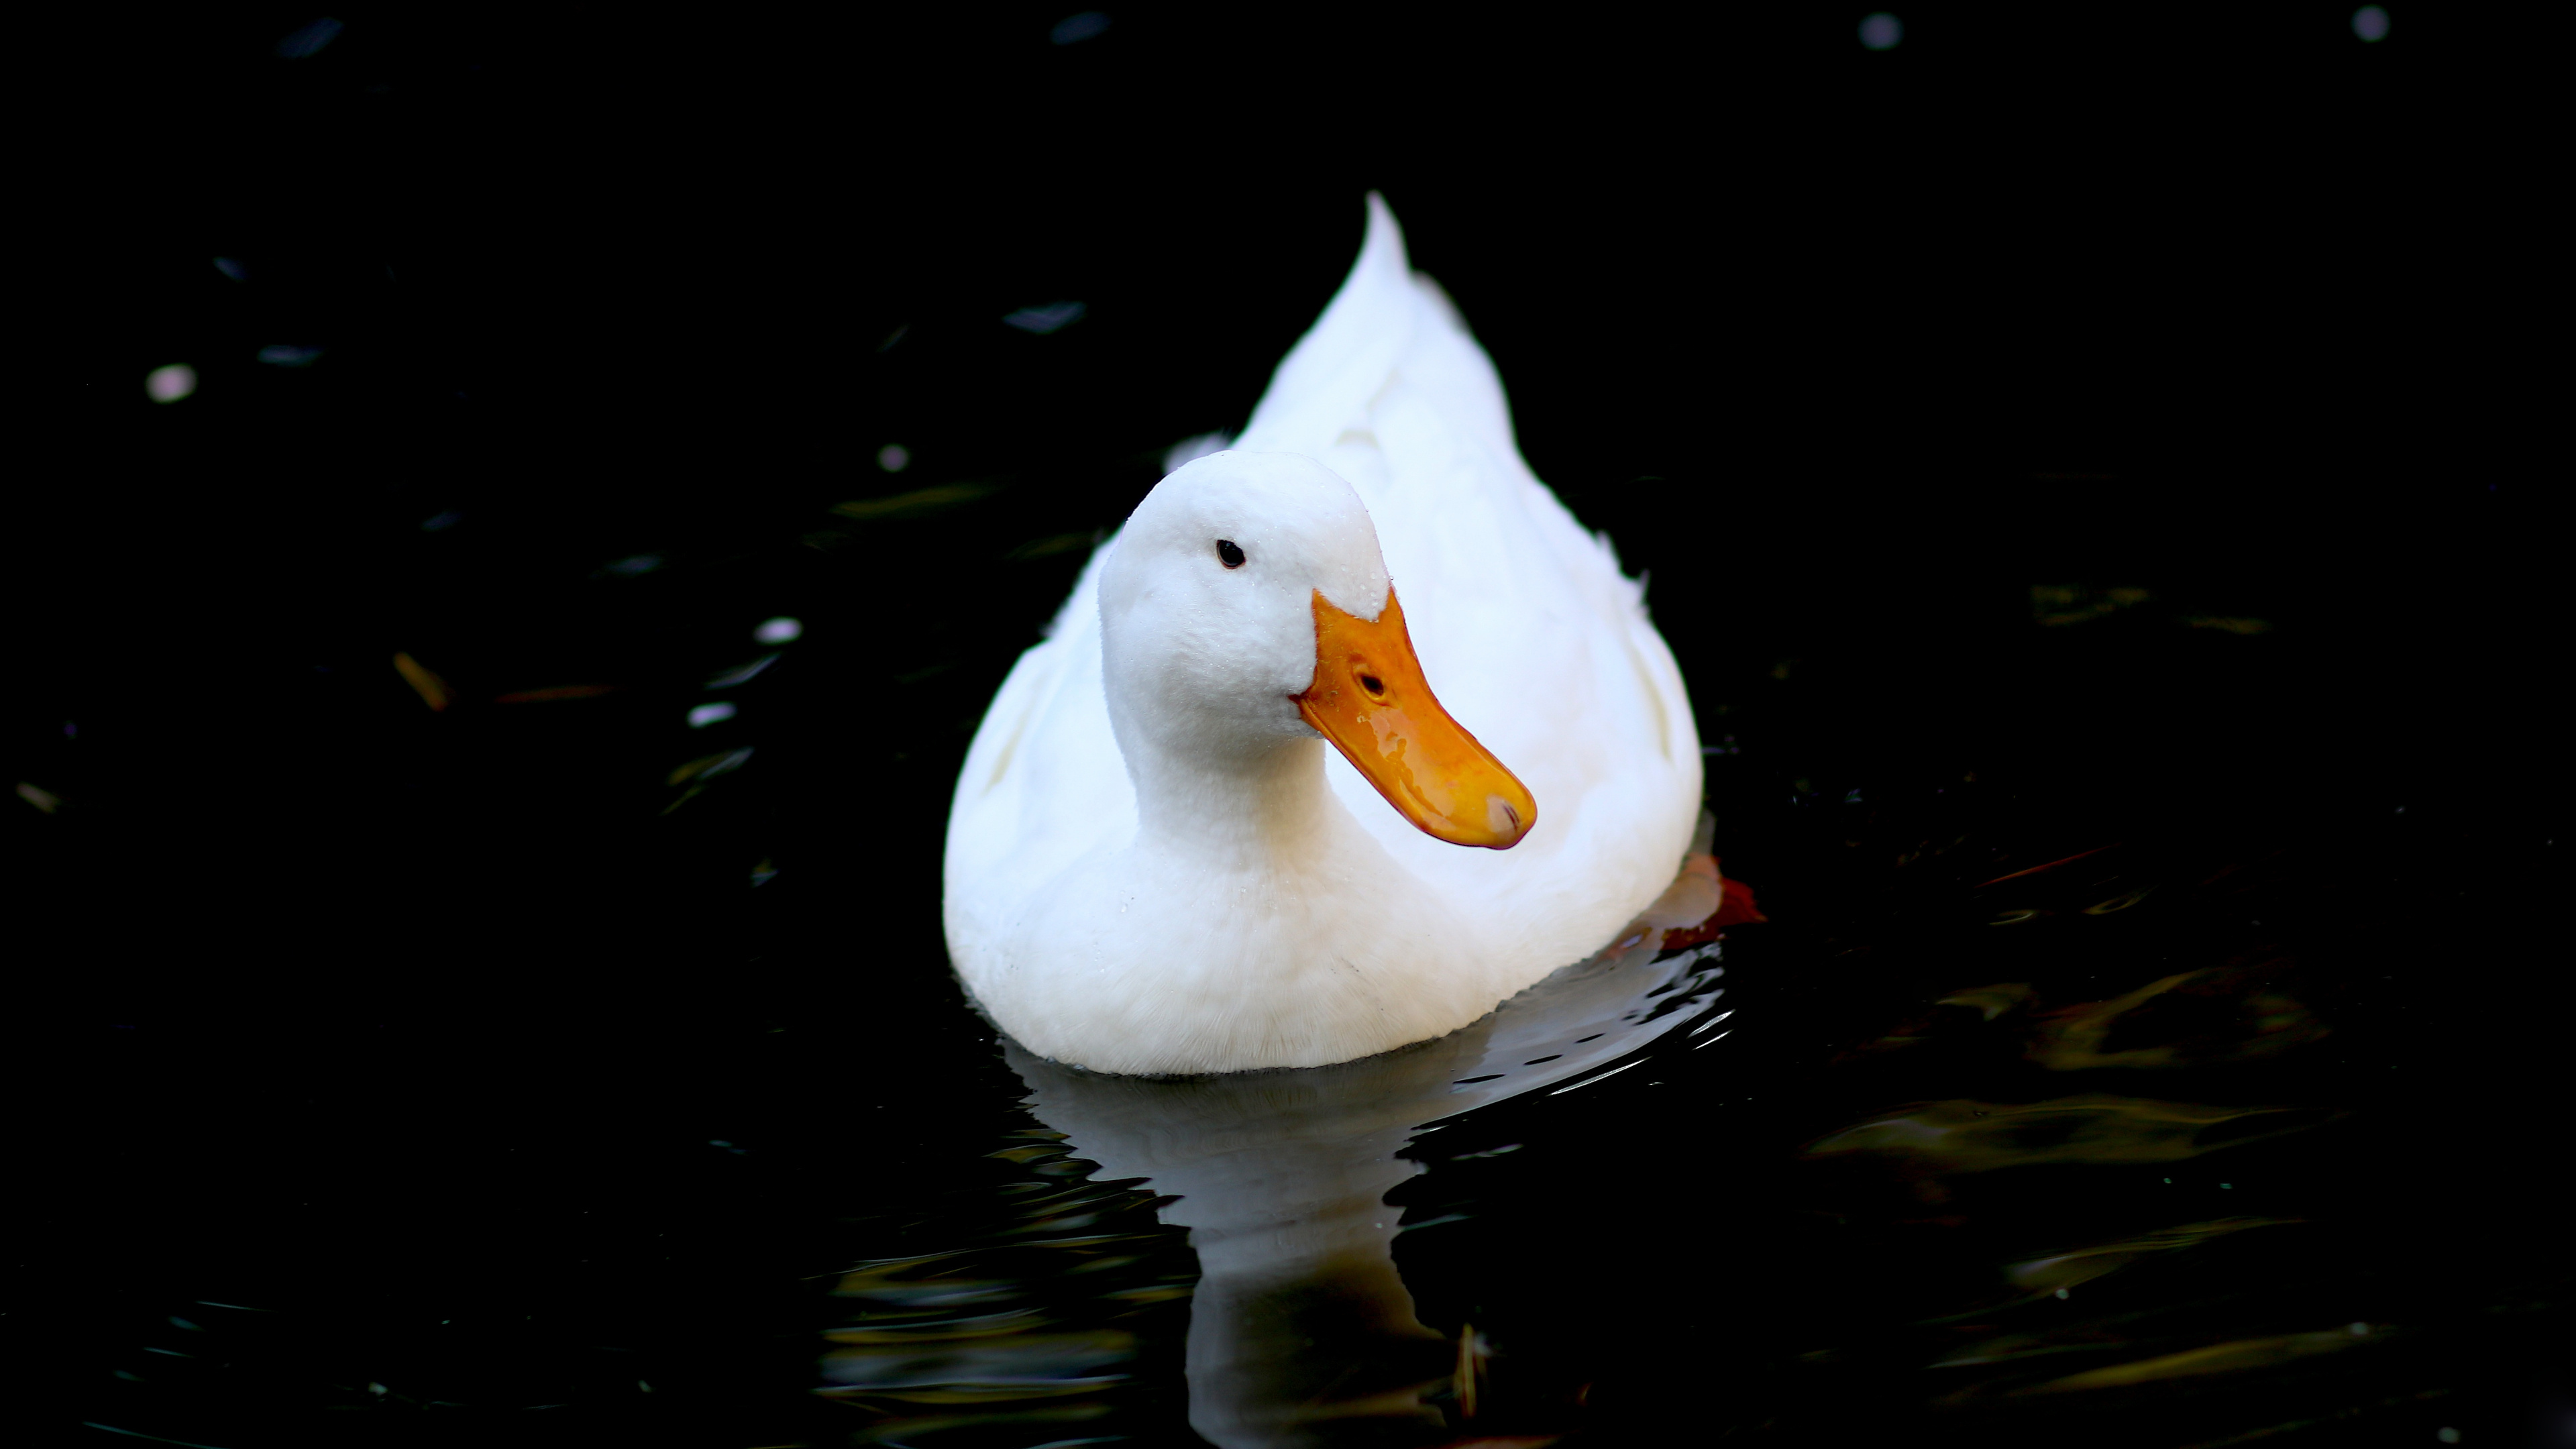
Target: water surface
{"x":2143,"y":1042}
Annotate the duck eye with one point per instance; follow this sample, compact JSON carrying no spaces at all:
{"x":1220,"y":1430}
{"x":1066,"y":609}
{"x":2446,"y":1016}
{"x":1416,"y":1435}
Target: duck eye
{"x":1231,"y":556}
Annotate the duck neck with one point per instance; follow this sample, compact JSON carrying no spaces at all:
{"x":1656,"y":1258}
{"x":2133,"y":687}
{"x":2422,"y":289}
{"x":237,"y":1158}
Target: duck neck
{"x":1259,"y":807}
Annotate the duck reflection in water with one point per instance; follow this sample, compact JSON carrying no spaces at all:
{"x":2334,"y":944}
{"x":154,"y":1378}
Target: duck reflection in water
{"x":1301,"y":1329}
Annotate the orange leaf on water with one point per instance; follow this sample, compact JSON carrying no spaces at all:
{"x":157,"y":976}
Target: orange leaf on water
{"x":433,"y":691}
{"x":1735,"y":906}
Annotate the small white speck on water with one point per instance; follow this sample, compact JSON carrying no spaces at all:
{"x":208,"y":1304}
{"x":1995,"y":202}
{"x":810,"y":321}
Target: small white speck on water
{"x":171,"y":383}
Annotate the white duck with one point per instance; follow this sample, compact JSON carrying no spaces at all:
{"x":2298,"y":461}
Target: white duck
{"x":1154,"y":866}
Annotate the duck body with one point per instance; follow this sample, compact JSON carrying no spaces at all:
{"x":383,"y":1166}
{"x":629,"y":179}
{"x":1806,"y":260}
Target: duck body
{"x":1154,"y":862}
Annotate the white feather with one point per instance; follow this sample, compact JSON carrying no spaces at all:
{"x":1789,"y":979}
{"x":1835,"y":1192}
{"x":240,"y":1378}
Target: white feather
{"x":1122,"y":953}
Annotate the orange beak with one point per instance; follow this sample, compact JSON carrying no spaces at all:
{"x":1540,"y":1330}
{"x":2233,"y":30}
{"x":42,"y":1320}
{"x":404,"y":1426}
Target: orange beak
{"x":1370,"y":699}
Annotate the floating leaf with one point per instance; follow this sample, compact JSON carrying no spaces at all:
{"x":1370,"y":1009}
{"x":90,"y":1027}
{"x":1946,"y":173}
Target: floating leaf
{"x":433,"y":691}
{"x":1703,"y":888}
{"x":915,"y":503}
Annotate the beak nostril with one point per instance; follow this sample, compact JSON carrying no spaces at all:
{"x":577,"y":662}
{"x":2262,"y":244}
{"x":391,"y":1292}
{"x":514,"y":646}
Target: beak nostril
{"x":1371,"y":703}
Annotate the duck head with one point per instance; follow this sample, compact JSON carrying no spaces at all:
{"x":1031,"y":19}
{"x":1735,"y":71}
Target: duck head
{"x":1246,"y":607}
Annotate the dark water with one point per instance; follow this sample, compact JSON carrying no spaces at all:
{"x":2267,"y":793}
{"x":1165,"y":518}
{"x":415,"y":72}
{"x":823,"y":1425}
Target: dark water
{"x":2128,"y":677}
{"x":2156,"y":1036}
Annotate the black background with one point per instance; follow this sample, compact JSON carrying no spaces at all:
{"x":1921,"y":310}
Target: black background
{"x":326,"y":998}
